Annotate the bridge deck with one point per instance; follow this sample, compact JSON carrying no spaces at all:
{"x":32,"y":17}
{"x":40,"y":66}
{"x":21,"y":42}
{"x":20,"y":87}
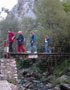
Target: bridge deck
{"x":57,"y":54}
{"x":37,"y":55}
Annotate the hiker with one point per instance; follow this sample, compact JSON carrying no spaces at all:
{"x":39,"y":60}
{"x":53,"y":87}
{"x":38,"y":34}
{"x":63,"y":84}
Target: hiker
{"x":11,"y":37}
{"x":20,"y":40}
{"x":32,"y":43}
{"x":47,"y":41}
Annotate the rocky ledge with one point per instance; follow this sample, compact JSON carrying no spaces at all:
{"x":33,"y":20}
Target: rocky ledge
{"x":5,"y":85}
{"x":24,"y":8}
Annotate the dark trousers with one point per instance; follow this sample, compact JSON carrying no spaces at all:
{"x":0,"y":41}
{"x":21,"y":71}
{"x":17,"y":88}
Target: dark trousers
{"x":10,"y":47}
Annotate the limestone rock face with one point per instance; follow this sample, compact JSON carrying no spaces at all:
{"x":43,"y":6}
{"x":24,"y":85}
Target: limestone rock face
{"x":24,"y":8}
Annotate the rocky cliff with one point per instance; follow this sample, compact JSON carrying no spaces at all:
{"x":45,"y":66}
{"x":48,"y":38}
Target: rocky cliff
{"x":24,"y":8}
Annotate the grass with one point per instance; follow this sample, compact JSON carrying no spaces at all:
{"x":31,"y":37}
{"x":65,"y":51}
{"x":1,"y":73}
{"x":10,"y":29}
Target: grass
{"x":62,"y":68}
{"x":67,"y":80}
{"x":12,"y":81}
{"x":55,"y":82}
{"x":20,"y":76}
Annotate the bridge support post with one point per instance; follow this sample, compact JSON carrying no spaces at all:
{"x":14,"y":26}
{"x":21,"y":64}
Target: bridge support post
{"x":50,"y":65}
{"x":6,"y":48}
{"x":8,"y":69}
{"x":7,"y":53}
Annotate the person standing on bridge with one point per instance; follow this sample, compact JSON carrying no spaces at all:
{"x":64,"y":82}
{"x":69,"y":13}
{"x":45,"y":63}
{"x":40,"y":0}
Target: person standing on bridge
{"x":47,"y":41}
{"x":11,"y":37}
{"x":20,"y":40}
{"x":32,"y":43}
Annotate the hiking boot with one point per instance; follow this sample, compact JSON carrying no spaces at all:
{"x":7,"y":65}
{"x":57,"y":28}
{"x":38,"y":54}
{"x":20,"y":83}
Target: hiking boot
{"x":28,"y":51}
{"x":35,"y":52}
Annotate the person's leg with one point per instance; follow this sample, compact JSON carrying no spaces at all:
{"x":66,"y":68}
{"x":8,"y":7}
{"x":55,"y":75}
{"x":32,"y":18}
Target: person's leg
{"x":46,"y":47}
{"x":21,"y":46}
{"x":35,"y":48}
{"x":18,"y":48}
{"x":30,"y":47}
{"x":49,"y":50}
{"x":10,"y":47}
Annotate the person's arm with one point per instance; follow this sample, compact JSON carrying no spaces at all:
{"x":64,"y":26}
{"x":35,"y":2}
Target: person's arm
{"x":22,"y":38}
{"x":13,"y":37}
{"x":46,"y":40}
{"x":32,"y":39}
{"x":10,"y":37}
{"x":17,"y":38}
{"x":13,"y":34}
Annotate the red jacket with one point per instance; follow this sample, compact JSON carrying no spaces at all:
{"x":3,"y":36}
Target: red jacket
{"x":11,"y":37}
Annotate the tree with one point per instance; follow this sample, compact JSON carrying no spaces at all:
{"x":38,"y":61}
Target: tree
{"x":55,"y":20}
{"x":66,"y":6}
{"x":49,"y":13}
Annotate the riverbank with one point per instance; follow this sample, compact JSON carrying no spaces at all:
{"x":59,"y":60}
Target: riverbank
{"x":36,"y":75}
{"x":38,"y":81}
{"x":5,"y":85}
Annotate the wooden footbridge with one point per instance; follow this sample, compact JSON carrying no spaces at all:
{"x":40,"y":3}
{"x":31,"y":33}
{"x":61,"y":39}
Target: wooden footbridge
{"x":8,"y":65}
{"x":31,"y":55}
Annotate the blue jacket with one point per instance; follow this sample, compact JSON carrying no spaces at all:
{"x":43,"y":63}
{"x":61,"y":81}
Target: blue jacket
{"x":20,"y":39}
{"x":33,"y":38}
